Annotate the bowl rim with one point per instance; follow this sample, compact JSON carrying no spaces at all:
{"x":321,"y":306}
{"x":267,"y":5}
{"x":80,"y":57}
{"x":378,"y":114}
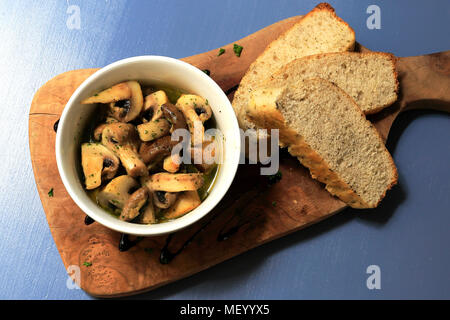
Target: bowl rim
{"x":140,"y":229}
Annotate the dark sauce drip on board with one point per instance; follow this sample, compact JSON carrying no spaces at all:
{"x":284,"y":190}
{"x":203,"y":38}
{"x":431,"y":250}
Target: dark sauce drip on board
{"x":225,"y":233}
{"x":167,"y":256}
{"x":125,"y":243}
{"x":88,"y":220}
{"x":55,"y":125}
{"x":232,"y":89}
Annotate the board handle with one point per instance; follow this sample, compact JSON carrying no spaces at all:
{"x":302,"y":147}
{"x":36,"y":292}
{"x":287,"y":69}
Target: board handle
{"x":425,"y":81}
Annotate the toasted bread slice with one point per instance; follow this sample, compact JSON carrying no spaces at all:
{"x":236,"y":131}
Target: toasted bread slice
{"x":369,"y":78}
{"x":326,"y":130}
{"x":321,"y":30}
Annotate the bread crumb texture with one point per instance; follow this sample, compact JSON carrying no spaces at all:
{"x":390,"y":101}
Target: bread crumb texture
{"x":326,"y":130}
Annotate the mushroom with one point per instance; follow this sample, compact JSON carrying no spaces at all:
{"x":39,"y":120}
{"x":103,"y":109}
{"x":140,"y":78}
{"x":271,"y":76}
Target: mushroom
{"x":187,"y":201}
{"x":99,"y":129}
{"x":121,"y":138}
{"x":129,"y":108}
{"x":152,"y":105}
{"x":175,"y":116}
{"x":189,"y":104}
{"x":204,"y":157}
{"x":163,"y":199}
{"x":172,"y":163}
{"x":98,"y":163}
{"x":120,"y":91}
{"x":153,"y":129}
{"x":148,"y":214}
{"x":173,"y":182}
{"x":134,"y":203}
{"x":117,"y":192}
{"x":200,"y":105}
{"x":156,"y":150}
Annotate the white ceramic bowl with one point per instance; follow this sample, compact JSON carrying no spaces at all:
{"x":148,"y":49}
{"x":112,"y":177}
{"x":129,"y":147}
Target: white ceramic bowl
{"x":149,"y":69}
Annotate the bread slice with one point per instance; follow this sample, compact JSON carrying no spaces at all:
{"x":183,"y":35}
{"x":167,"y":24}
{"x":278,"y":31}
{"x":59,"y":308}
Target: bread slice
{"x":326,"y":130}
{"x":321,"y":30}
{"x":369,"y":78}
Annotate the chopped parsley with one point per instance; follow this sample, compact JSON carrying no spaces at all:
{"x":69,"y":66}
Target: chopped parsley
{"x":237,"y":49}
{"x":87,"y":264}
{"x":207,"y":72}
{"x":50,"y":193}
{"x":221,"y":51}
{"x":274,"y":203}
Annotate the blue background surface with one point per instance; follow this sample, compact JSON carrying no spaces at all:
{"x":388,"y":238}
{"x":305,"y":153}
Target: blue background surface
{"x":407,"y":236}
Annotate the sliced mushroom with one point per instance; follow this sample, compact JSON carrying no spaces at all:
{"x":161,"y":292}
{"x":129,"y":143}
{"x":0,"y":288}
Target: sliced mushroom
{"x":173,"y":182}
{"x":175,"y":117}
{"x":128,"y":109}
{"x":204,"y":158}
{"x":117,"y":192}
{"x":163,"y":199}
{"x":120,"y":91}
{"x":200,"y":105}
{"x":186,"y":202}
{"x":152,"y":105}
{"x":134,"y":203}
{"x":98,"y":163}
{"x":148,"y":214}
{"x":154,"y":151}
{"x":172,"y":163}
{"x":187,"y":104}
{"x":98,"y":131}
{"x":153,"y":129}
{"x":121,"y":138}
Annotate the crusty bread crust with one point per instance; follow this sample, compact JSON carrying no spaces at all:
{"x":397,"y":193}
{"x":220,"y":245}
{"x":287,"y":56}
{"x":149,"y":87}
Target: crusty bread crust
{"x":269,"y":116}
{"x":239,"y":109}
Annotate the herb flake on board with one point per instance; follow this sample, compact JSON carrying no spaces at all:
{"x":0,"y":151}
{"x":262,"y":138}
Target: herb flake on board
{"x":237,"y":49}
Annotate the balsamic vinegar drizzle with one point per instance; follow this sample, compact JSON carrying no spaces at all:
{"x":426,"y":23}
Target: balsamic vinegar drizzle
{"x":88,"y":220}
{"x":225,"y":235}
{"x":167,"y":256}
{"x":125,"y":243}
{"x":55,"y":125}
{"x":232,"y":89}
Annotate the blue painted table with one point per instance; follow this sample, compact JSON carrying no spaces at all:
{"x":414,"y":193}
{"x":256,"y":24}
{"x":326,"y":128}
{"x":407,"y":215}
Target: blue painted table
{"x":406,"y":237}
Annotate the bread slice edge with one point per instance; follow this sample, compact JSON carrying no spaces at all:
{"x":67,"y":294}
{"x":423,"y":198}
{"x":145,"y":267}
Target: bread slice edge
{"x":267,"y":115}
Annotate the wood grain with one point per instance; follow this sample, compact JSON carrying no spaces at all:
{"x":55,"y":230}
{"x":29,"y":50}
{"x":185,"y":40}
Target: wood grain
{"x":245,"y":218}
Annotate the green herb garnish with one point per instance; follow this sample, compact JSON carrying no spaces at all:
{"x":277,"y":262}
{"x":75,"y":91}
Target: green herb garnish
{"x":207,"y":72}
{"x":87,"y":264}
{"x":274,"y":203}
{"x":237,"y":49}
{"x":50,"y":193}
{"x":221,"y":51}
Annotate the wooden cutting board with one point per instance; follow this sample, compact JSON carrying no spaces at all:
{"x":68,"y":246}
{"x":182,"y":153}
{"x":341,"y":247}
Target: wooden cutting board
{"x":254,"y":211}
